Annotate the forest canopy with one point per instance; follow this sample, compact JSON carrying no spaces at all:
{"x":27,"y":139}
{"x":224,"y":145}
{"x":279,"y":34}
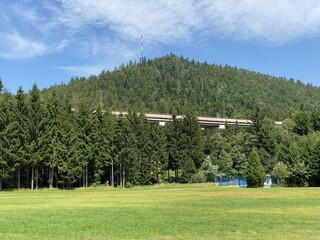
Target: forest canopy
{"x":175,"y":85}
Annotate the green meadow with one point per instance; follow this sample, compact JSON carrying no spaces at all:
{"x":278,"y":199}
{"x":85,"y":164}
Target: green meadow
{"x":161,"y":212}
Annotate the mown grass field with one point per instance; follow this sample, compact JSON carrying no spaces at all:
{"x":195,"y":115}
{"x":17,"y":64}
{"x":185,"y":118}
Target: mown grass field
{"x":161,"y":212}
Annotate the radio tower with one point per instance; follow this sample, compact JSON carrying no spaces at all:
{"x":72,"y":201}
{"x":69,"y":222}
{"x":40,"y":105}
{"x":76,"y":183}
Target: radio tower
{"x":141,"y":60}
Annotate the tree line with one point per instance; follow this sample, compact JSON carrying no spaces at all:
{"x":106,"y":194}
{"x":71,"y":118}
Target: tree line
{"x":46,"y":142}
{"x":51,"y":144}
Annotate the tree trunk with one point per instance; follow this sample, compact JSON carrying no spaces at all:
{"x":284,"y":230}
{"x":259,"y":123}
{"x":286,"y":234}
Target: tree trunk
{"x":84,"y":179}
{"x":176,"y":175}
{"x":19,"y":175}
{"x":37,"y":177}
{"x":120,"y":175}
{"x":32,"y":177}
{"x":0,"y":184}
{"x":87,"y":175}
{"x":50,"y":178}
{"x":124,"y":177}
{"x":57,"y":180}
{"x":112,"y":174}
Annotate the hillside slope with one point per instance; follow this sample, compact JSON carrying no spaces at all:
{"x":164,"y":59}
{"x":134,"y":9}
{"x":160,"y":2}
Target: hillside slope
{"x":172,"y":84}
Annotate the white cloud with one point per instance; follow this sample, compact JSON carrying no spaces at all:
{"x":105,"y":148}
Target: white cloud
{"x":83,"y":70}
{"x":162,"y":21}
{"x":275,"y":21}
{"x":16,"y":46}
{"x":97,"y":27}
{"x":181,"y":21}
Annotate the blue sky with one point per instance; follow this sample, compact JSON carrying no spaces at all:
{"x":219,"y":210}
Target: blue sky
{"x":49,"y":41}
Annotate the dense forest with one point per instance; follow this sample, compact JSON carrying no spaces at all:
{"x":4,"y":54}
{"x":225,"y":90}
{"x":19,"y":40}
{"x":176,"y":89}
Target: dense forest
{"x":67,"y":137}
{"x":176,"y":85}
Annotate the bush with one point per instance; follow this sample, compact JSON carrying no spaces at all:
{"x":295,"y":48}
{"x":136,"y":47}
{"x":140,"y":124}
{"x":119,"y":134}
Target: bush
{"x":129,"y":185}
{"x":281,"y":172}
{"x":210,"y":171}
{"x":198,"y":177}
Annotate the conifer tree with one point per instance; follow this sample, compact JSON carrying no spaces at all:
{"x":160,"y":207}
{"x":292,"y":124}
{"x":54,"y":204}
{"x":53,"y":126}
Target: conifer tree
{"x":82,"y":138}
{"x":5,"y":153}
{"x":143,"y":165}
{"x":22,"y":135}
{"x":70,"y":168}
{"x":124,"y":154}
{"x":101,"y":138}
{"x":159,"y":155}
{"x":254,"y":172}
{"x":192,"y":146}
{"x":35,"y":130}
{"x":52,"y":141}
{"x":173,"y":132}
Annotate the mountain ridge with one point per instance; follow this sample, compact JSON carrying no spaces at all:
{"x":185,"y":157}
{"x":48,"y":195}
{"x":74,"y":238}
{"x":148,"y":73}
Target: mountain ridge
{"x":175,"y":85}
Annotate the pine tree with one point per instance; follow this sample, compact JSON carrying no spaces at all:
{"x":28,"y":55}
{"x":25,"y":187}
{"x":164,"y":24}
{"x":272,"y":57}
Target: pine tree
{"x":70,"y":168}
{"x":192,"y":146}
{"x":254,"y":173}
{"x":35,"y":127}
{"x":124,"y":154}
{"x":52,"y":142}
{"x":6,"y":159}
{"x":159,"y":151}
{"x":142,"y":145}
{"x":82,"y":147}
{"x":22,"y":135}
{"x":173,"y":132}
{"x":101,"y":139}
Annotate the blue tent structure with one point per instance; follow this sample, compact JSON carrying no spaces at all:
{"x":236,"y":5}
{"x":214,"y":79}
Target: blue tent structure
{"x":240,"y":182}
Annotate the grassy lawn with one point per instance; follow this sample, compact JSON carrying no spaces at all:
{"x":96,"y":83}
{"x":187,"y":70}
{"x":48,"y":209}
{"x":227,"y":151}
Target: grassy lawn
{"x":161,"y":212}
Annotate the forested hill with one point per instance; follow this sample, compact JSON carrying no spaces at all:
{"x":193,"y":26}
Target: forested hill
{"x":176,"y":85}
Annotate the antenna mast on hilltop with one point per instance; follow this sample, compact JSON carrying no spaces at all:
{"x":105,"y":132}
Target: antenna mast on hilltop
{"x":141,"y":45}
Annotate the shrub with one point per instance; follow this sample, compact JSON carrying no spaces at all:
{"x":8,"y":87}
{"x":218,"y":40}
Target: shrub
{"x":198,"y":177}
{"x":281,"y":172}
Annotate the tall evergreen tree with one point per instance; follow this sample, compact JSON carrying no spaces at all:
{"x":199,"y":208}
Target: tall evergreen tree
{"x":173,"y":132}
{"x":6,"y":159}
{"x":254,"y":173}
{"x":52,"y":141}
{"x":159,"y":153}
{"x":35,"y":130}
{"x":21,"y":114}
{"x":101,"y":138}
{"x":70,"y":167}
{"x":192,"y":141}
{"x":82,"y":148}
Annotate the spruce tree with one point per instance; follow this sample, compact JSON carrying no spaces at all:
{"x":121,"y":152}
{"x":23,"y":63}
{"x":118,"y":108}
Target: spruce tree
{"x":141,"y":130}
{"x":174,"y":148}
{"x":159,"y":151}
{"x":82,"y":148}
{"x":35,"y":127}
{"x":52,"y":141}
{"x":70,"y":168}
{"x":21,"y":115}
{"x":192,"y":146}
{"x":254,"y":172}
{"x":6,"y":158}
{"x":101,"y":138}
{"x":124,"y":154}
